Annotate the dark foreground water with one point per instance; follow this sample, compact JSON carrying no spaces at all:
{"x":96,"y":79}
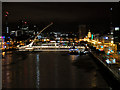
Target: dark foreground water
{"x":50,"y":70}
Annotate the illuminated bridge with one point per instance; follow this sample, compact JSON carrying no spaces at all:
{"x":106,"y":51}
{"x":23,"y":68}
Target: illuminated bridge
{"x":49,"y":48}
{"x":56,"y":47}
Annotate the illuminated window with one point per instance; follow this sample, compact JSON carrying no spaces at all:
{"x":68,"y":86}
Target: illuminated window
{"x":111,"y":9}
{"x":111,"y":32}
{"x":116,"y":28}
{"x":116,"y":37}
{"x":105,"y":37}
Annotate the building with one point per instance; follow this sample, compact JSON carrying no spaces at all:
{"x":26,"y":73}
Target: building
{"x":115,"y":27}
{"x":89,"y":34}
{"x":116,"y":36}
{"x":82,"y":31}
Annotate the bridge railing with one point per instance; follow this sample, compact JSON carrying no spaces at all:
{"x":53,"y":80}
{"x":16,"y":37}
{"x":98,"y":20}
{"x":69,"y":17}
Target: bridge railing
{"x":50,"y":47}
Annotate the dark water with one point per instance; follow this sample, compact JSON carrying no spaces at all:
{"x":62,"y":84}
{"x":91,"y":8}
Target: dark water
{"x":50,"y":70}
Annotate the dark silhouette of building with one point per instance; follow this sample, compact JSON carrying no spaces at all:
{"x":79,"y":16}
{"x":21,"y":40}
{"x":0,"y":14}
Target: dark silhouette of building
{"x":116,"y":24}
{"x":82,"y":31}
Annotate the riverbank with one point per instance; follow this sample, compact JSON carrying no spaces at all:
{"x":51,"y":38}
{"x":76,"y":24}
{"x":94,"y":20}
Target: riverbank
{"x":111,"y":71}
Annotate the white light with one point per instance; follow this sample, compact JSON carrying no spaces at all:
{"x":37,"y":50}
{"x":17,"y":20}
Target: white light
{"x":119,"y":69}
{"x":99,"y":42}
{"x":111,"y":9}
{"x":111,"y":32}
{"x":114,"y":61}
{"x":116,"y":28}
{"x":52,"y":41}
{"x":7,"y":30}
{"x":112,"y":41}
{"x":106,"y":37}
{"x":108,"y":61}
{"x":13,"y":31}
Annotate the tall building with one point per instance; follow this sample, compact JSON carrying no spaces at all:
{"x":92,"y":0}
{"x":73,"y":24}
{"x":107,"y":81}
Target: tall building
{"x":89,"y":34}
{"x":82,"y":31}
{"x":6,"y":17}
{"x":116,"y":24}
{"x":116,"y":36}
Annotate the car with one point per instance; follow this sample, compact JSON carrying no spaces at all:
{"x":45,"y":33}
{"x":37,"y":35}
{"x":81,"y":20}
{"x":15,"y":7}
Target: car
{"x":73,"y":50}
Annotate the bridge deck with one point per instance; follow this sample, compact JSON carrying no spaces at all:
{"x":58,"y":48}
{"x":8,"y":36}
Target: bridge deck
{"x":45,"y":50}
{"x":48,"y":48}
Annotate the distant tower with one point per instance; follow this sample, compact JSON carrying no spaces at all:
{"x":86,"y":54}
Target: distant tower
{"x":25,"y":25}
{"x":6,"y":17}
{"x":111,"y":22}
{"x":89,"y":34}
{"x":82,"y":31}
{"x":111,"y":26}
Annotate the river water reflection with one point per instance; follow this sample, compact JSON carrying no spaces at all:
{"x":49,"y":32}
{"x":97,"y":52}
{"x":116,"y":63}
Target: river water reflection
{"x":50,"y":70}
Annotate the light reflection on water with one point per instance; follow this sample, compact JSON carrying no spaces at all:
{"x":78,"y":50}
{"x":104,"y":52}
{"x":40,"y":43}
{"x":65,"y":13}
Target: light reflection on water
{"x":7,"y":58}
{"x":49,"y":70}
{"x":3,"y":54}
{"x":7,"y":77}
{"x":37,"y":71}
{"x":74,"y":57}
{"x":12,"y":57}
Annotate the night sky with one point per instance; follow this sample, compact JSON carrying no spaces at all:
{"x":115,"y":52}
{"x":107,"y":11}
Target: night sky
{"x":65,"y":15}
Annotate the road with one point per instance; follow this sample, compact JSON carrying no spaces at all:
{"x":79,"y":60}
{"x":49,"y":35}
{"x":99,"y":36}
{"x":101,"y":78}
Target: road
{"x":51,"y":70}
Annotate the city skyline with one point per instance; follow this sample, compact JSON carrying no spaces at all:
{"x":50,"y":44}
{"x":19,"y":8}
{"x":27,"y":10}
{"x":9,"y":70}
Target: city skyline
{"x":60,"y":45}
{"x":67,"y":15}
